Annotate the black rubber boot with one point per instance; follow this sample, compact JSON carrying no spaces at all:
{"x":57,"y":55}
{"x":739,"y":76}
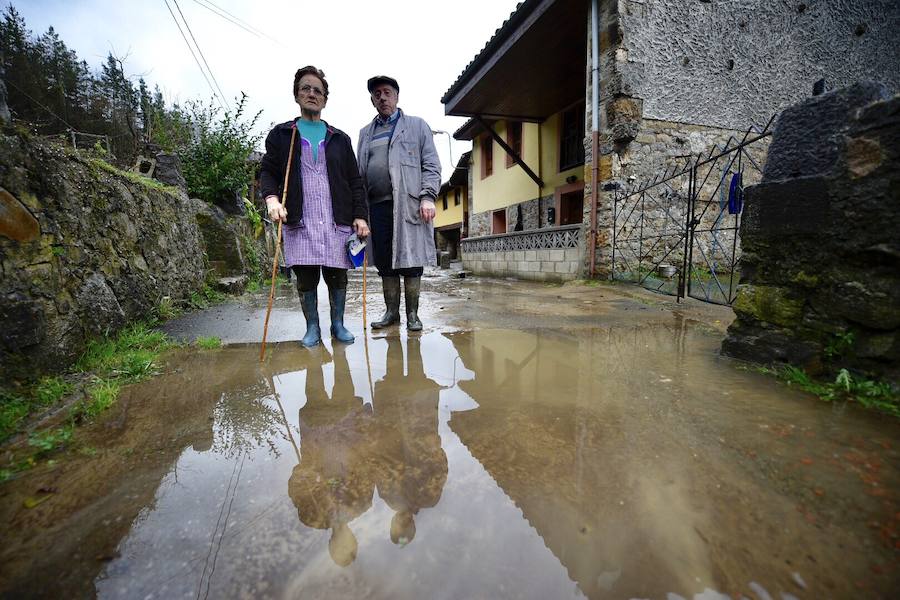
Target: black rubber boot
{"x":338,"y":300}
{"x":391,"y":285}
{"x":411,"y":286}
{"x":310,"y":303}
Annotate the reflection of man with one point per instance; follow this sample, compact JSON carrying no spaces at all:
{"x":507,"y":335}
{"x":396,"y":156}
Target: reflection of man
{"x":412,"y":466}
{"x":333,"y":485}
{"x":402,"y":174}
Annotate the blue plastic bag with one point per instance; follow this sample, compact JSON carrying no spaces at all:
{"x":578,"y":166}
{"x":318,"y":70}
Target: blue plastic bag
{"x":356,"y":250}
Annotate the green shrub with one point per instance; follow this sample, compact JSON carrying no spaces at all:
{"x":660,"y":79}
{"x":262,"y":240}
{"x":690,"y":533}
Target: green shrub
{"x":878,"y":395}
{"x":214,"y":163}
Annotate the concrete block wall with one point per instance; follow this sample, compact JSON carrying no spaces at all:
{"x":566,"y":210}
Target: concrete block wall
{"x":558,"y":264}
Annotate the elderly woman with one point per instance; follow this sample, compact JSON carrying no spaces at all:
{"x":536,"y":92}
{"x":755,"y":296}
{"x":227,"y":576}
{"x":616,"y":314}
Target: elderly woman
{"x":325,"y":202}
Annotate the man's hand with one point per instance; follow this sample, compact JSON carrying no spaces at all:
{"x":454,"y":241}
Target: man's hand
{"x":276,"y":211}
{"x":361,"y":228}
{"x":426,"y":209}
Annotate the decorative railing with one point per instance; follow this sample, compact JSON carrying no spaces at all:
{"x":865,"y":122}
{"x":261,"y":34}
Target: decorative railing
{"x":550,"y":238}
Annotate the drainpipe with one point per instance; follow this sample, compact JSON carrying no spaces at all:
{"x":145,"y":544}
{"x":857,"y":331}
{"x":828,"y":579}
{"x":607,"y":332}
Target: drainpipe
{"x":595,"y":133}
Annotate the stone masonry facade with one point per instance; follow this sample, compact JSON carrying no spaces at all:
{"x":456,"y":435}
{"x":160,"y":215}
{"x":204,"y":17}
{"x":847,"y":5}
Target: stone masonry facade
{"x":678,"y":78}
{"x":83,"y":252}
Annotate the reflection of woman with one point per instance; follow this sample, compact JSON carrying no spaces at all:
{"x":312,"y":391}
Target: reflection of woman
{"x":333,"y":485}
{"x":325,"y":201}
{"x":412,"y":465}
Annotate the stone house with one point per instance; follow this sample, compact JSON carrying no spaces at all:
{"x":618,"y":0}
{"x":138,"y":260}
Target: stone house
{"x":568,"y":92}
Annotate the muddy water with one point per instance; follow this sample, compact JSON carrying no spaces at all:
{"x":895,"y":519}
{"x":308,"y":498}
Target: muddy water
{"x":600,"y":463}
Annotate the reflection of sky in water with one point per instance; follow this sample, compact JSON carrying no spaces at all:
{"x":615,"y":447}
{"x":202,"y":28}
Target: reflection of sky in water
{"x":542,"y":486}
{"x":229,"y":521}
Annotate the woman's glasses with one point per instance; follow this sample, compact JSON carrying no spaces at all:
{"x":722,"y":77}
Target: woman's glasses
{"x":305,"y":89}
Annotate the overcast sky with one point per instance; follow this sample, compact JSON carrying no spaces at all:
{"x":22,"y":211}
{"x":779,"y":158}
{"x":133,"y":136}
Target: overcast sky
{"x":423,"y":44}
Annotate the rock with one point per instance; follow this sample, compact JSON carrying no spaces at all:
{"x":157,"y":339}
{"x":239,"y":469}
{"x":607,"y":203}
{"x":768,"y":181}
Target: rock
{"x":808,"y":137}
{"x":231,"y":202}
{"x":100,"y":309}
{"x":234,"y":286}
{"x":168,"y":171}
{"x":16,"y":222}
{"x":222,"y":240}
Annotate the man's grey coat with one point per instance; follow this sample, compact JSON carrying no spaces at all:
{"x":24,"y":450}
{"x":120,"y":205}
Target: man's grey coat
{"x":415,"y":175}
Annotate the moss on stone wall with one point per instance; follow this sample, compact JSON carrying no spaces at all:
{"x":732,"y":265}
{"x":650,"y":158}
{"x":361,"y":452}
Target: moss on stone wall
{"x":768,"y":304}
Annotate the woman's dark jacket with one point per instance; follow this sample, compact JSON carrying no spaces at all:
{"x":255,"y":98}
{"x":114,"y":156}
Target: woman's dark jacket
{"x":348,"y":198}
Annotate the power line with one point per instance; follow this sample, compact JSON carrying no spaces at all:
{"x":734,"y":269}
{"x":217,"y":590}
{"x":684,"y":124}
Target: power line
{"x":235,"y":20}
{"x":221,"y":93}
{"x":229,"y":17}
{"x":199,"y":66}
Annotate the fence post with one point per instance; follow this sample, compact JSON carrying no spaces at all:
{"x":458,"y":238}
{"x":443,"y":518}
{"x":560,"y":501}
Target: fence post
{"x":684,"y":279}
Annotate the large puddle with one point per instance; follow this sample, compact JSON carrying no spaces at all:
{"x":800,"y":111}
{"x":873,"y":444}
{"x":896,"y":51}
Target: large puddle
{"x":602,"y":463}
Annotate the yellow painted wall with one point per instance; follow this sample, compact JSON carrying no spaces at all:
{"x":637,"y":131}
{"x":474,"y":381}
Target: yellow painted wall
{"x":453,"y":214}
{"x":509,"y":186}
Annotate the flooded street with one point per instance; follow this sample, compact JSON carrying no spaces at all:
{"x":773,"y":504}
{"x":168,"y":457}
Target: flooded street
{"x":536,"y":458}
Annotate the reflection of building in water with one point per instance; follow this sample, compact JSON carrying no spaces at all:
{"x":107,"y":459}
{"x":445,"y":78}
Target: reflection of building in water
{"x":553,"y":431}
{"x":348,"y":450}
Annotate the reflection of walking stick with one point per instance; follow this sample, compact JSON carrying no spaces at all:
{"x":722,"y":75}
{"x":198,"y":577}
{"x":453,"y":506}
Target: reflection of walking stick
{"x":287,"y":173}
{"x":287,"y":425}
{"x":365,"y":329}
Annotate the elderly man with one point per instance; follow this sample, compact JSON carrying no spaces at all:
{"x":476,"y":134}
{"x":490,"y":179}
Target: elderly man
{"x":402,"y":174}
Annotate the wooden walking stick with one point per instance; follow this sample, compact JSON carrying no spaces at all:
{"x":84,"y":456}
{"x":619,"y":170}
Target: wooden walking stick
{"x":287,"y":173}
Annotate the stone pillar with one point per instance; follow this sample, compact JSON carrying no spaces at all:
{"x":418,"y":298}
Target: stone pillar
{"x":820,"y":273}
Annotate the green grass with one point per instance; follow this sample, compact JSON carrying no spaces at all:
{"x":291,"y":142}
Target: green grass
{"x":166,"y":309}
{"x":16,"y":406}
{"x":129,"y":355}
{"x":127,"y":358}
{"x":49,"y":440}
{"x":134,"y":177}
{"x":100,"y":395}
{"x":209,"y":343}
{"x":205,"y":298}
{"x":253,"y":286}
{"x":876,"y":395}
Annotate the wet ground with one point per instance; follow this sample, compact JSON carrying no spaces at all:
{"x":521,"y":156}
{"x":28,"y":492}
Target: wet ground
{"x":534,"y":441}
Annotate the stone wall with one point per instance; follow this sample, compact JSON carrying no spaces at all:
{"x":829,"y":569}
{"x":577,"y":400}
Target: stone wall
{"x":668,"y":147}
{"x":533,"y":214}
{"x":83,"y":251}
{"x":821,"y":234}
{"x":729,"y":64}
{"x":701,"y":71}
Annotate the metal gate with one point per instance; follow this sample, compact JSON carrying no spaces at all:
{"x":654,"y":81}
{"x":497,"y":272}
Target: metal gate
{"x":679,"y":233}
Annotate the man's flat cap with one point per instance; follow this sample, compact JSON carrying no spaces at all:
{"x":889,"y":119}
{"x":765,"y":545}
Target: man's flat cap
{"x":379,"y":79}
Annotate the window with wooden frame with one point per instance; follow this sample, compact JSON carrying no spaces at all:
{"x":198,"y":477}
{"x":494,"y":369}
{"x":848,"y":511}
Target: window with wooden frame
{"x":487,"y":156}
{"x":571,"y":138}
{"x":514,"y":139}
{"x":444,"y":200}
{"x":455,"y":196}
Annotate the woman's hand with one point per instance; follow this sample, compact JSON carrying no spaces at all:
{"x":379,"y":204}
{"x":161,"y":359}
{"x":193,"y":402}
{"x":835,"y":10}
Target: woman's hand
{"x":276,"y":211}
{"x":361,"y":228}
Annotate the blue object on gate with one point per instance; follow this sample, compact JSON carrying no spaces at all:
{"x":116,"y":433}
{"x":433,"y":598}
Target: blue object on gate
{"x":736,"y":195}
{"x":356,"y":250}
